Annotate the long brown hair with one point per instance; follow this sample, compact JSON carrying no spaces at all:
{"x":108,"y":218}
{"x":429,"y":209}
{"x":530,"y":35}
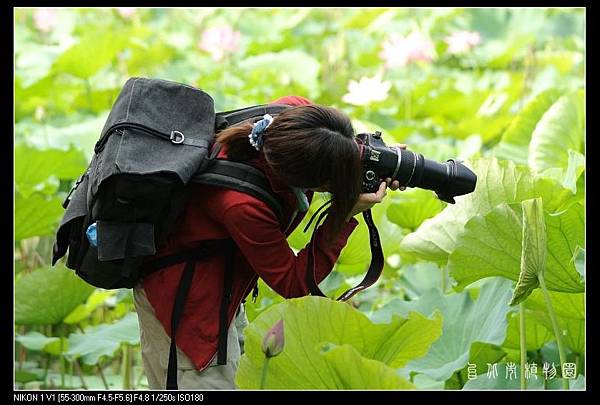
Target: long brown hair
{"x":309,"y":146}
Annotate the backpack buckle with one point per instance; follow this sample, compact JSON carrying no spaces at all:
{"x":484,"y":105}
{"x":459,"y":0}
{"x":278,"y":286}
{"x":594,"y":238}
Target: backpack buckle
{"x":177,"y":137}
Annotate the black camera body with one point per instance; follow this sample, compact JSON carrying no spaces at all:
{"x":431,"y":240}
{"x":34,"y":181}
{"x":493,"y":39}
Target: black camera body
{"x":448,"y":180}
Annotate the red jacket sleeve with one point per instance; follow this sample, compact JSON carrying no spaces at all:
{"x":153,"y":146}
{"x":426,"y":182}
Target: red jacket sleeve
{"x":256,"y":231}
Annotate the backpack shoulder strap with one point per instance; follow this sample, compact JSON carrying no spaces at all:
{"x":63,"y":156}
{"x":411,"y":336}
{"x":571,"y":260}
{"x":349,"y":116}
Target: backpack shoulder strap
{"x":241,"y":177}
{"x":238,"y":175}
{"x":226,"y":119}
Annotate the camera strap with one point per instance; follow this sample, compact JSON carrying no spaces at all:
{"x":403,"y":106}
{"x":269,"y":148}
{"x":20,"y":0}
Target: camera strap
{"x":375,"y":268}
{"x":377,"y":260}
{"x":313,"y":287}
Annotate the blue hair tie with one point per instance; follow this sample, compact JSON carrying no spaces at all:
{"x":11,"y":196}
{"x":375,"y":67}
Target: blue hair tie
{"x":258,"y":129}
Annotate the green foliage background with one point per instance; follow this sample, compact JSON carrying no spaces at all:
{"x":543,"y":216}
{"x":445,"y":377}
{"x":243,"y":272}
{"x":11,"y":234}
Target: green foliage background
{"x":511,"y":104}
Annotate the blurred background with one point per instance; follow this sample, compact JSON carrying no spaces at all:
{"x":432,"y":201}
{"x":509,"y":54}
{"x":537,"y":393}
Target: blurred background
{"x":449,"y":82}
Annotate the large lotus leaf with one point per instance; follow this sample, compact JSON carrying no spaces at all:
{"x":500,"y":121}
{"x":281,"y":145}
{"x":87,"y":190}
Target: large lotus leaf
{"x":272,"y":28}
{"x":515,"y":140}
{"x":497,"y":182}
{"x":288,"y":65}
{"x":465,"y":322}
{"x":560,"y":129}
{"x":491,"y":246}
{"x":301,"y":364}
{"x":536,"y":336}
{"x":93,"y":52}
{"x":443,"y":148}
{"x":364,"y":373}
{"x":36,"y":215}
{"x":104,"y":340}
{"x":25,"y":376}
{"x":565,"y":305}
{"x":570,"y":314}
{"x":34,"y":60}
{"x":449,"y":104}
{"x":569,"y":175}
{"x":38,"y":342}
{"x":47,"y":94}
{"x":34,"y":166}
{"x":418,"y":278}
{"x":82,"y":134}
{"x":46,"y":296}
{"x":423,"y":382}
{"x":488,"y":123}
{"x":411,"y":207}
{"x":356,"y":255}
{"x":572,"y":330}
{"x":96,"y":299}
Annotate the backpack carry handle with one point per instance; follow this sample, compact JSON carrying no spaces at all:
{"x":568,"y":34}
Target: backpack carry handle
{"x":226,"y":119}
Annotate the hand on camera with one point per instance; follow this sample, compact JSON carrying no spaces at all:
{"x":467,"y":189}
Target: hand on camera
{"x":368,"y":200}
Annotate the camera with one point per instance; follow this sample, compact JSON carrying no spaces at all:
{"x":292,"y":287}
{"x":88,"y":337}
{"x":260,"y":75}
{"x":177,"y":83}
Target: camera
{"x":448,"y":179}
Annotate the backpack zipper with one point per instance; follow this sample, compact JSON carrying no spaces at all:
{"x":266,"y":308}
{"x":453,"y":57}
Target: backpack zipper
{"x":100,"y":144}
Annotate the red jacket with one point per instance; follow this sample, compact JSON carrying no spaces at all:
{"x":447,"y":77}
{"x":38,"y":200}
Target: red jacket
{"x":262,"y":251}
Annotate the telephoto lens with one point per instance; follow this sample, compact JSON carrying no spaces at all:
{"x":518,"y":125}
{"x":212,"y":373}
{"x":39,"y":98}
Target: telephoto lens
{"x":448,"y":179}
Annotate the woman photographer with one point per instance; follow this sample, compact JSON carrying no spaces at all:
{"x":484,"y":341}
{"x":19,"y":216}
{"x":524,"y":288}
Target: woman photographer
{"x":304,"y":149}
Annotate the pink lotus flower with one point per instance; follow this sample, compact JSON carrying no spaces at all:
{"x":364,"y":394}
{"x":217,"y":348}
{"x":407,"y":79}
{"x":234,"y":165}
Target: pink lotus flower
{"x":45,"y":19}
{"x":367,"y":90}
{"x":126,"y":12}
{"x":219,"y":40}
{"x":462,"y":41}
{"x":273,"y":341}
{"x":400,"y":51}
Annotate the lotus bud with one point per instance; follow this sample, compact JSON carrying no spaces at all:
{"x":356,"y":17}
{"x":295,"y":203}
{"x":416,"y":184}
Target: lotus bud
{"x":273,"y":341}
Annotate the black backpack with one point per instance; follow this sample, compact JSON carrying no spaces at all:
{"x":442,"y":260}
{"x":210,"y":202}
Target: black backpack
{"x":155,"y":142}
